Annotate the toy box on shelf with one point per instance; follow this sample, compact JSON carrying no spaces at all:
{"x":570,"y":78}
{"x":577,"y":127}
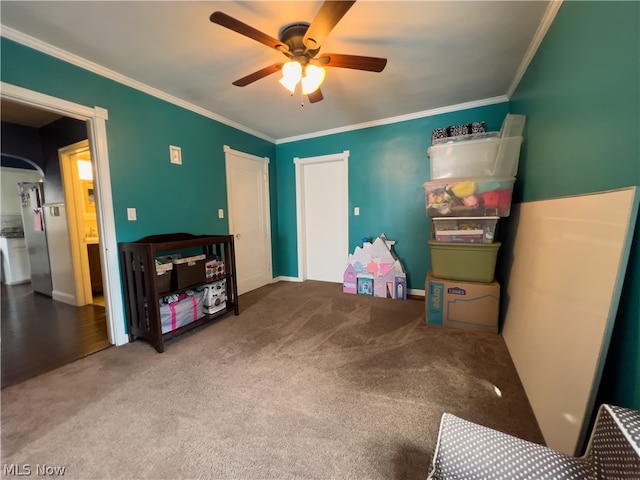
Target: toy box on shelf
{"x":373,"y":269}
{"x":214,"y":269}
{"x":164,"y":275}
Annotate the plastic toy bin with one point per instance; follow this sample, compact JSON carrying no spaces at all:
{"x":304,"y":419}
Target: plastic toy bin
{"x":466,"y":262}
{"x":465,"y":229}
{"x":482,"y":155}
{"x":469,"y":197}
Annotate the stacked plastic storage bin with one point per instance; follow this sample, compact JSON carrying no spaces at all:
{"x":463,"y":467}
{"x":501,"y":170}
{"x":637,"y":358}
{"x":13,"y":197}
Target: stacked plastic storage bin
{"x":471,"y":185}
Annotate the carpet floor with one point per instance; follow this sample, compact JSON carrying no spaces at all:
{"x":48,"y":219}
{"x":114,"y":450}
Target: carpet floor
{"x":307,"y":382}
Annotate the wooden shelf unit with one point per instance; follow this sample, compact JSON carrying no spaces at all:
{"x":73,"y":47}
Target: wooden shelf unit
{"x":141,"y":293}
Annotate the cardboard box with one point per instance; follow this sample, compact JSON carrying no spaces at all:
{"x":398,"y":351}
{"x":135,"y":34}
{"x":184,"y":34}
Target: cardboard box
{"x":462,"y":304}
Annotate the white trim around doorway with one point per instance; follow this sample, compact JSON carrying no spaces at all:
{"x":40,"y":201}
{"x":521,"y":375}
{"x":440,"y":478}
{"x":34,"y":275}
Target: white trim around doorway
{"x":234,"y":213}
{"x":96,"y":118}
{"x":300,"y":206}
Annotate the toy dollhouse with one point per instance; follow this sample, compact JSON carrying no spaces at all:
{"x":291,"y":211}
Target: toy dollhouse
{"x":373,"y":269}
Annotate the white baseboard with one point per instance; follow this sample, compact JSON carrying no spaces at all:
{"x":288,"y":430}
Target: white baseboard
{"x":64,"y":298}
{"x":410,"y":291}
{"x":286,"y":279}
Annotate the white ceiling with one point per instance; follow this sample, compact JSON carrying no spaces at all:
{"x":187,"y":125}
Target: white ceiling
{"x":19,"y":114}
{"x":439,"y":54}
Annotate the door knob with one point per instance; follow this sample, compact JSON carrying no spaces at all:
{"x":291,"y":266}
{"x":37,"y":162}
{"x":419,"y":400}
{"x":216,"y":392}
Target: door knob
{"x":237,"y":235}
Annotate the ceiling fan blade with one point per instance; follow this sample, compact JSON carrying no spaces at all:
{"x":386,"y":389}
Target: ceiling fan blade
{"x":244,"y":81}
{"x":327,"y":17}
{"x":370,"y":64}
{"x":315,"y":96}
{"x":247,"y":30}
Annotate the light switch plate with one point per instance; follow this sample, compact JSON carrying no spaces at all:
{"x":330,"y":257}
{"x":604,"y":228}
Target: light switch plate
{"x":175,"y":154}
{"x":131,"y":214}
{"x":220,"y":213}
{"x":356,"y":211}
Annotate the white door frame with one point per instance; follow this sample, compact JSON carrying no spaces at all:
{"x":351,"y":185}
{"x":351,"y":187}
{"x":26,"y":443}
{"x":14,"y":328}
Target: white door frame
{"x":96,"y":118}
{"x":300,"y":206}
{"x":264,"y":161}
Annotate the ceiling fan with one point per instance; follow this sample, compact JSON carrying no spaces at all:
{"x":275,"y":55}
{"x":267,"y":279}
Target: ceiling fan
{"x":300,"y":43}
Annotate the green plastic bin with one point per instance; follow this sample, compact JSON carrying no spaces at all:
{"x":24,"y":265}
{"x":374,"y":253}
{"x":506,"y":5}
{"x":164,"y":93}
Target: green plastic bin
{"x":471,"y":262}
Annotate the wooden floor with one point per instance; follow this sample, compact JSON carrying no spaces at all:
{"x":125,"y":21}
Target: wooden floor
{"x":39,"y":334}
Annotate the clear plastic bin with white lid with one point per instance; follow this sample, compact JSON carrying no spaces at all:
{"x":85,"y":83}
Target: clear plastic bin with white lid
{"x":469,"y":197}
{"x":479,"y":155}
{"x":464,"y":229}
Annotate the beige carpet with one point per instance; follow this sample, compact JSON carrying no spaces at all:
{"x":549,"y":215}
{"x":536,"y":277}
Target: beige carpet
{"x":307,"y":382}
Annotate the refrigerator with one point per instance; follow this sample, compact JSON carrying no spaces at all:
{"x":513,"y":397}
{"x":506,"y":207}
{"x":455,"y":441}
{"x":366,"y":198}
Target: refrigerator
{"x":35,"y":236}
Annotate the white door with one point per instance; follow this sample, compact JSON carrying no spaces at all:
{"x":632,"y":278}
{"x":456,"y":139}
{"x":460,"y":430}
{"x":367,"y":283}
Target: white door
{"x":323,"y":217}
{"x":249,"y":218}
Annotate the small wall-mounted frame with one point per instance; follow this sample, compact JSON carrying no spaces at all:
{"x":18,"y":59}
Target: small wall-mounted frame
{"x":88,"y":193}
{"x":175,"y":154}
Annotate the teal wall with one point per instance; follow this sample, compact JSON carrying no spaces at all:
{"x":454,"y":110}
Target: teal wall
{"x":140,"y":128}
{"x":387,"y":166}
{"x":581,"y":95}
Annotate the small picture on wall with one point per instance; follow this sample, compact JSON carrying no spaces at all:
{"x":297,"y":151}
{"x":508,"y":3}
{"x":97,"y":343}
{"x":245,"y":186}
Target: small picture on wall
{"x":89,"y":197}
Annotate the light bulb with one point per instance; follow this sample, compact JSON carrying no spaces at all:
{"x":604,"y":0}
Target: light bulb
{"x":314,"y":76}
{"x":84,"y":170}
{"x":291,"y":74}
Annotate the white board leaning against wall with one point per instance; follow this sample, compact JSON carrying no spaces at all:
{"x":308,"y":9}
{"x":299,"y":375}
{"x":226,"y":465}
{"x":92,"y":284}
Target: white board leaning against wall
{"x":569,"y":261}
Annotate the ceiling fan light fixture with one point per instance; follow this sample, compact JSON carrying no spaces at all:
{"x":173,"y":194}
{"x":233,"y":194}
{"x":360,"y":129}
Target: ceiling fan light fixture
{"x":291,"y":75}
{"x":313,"y":78}
{"x":300,"y":42}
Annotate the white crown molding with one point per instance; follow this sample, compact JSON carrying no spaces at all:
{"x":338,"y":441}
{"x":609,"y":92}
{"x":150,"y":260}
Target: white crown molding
{"x":545,"y":23}
{"x":399,"y":118}
{"x":39,"y":45}
{"x":73,"y":59}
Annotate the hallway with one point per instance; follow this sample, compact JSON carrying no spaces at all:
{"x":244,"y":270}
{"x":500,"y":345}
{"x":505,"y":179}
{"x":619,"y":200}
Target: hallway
{"x":39,"y":335}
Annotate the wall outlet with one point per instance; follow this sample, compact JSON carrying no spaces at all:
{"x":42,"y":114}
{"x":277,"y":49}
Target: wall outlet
{"x":131,"y":214}
{"x":175,"y":154}
{"x":220,"y":213}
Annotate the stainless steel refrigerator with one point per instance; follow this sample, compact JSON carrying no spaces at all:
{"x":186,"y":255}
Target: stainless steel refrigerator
{"x":35,"y":235}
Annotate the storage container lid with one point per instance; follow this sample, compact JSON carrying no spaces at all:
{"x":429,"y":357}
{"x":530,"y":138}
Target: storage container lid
{"x":449,"y":219}
{"x":466,"y":138}
{"x":464,"y":246}
{"x":451,"y":181}
{"x":470,"y":140}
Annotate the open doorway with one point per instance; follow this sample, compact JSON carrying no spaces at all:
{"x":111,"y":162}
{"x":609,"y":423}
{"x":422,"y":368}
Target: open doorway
{"x":44,"y":325}
{"x":77,"y":171}
{"x":94,"y":121}
{"x":95,"y":118}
